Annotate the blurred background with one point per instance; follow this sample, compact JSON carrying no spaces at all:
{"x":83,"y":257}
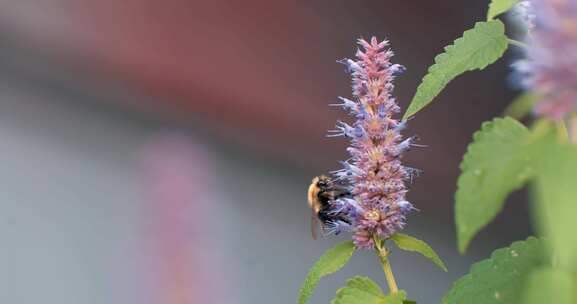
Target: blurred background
{"x":159,"y":151}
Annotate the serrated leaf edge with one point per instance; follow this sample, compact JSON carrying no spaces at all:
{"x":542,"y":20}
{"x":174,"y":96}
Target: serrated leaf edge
{"x":312,"y":278}
{"x":478,"y":137}
{"x":479,"y":26}
{"x":492,"y":14}
{"x":473,"y":271}
{"x":384,"y":298}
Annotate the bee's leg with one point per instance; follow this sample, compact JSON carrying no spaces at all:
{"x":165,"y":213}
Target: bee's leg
{"x":343,"y":218}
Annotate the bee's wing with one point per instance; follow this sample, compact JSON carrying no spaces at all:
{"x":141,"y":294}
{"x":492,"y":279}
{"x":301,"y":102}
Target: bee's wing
{"x":314,"y":224}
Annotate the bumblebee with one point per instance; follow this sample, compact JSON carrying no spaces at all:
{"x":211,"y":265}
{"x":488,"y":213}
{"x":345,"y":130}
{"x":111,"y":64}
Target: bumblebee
{"x":322,"y":194}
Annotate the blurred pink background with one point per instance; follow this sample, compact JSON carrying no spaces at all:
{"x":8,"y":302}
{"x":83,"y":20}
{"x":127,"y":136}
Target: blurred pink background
{"x":88,"y":87}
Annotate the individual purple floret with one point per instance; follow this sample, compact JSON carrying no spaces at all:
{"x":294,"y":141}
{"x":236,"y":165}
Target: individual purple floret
{"x":551,"y":66}
{"x":374,"y":171}
{"x":523,"y":14}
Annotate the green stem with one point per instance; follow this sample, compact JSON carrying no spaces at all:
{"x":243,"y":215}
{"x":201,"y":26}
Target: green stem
{"x":517,"y":43}
{"x":383,"y":254}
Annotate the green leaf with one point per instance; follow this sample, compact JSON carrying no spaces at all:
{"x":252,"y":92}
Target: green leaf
{"x":556,"y":205}
{"x":333,"y":260}
{"x":479,"y":47}
{"x":521,"y":106}
{"x":409,"y":243}
{"x":409,"y":302}
{"x":365,"y":284}
{"x":501,"y":278}
{"x":496,"y":163}
{"x":549,"y":285}
{"x":497,"y":7}
{"x":363,"y":290}
{"x":397,"y":298}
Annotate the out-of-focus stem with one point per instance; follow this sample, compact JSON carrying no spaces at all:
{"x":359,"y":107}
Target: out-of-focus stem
{"x":383,"y":254}
{"x":517,"y":43}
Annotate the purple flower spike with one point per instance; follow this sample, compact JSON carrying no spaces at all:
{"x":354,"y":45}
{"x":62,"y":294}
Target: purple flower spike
{"x":374,"y":171}
{"x":550,"y":70}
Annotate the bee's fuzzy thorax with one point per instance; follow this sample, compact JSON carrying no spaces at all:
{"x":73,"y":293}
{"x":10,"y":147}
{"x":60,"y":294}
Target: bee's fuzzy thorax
{"x":375,"y":173}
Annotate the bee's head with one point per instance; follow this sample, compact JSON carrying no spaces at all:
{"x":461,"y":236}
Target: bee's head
{"x":322,"y":181}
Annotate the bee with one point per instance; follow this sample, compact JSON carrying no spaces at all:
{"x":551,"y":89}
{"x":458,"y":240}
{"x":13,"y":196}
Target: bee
{"x":322,"y":194}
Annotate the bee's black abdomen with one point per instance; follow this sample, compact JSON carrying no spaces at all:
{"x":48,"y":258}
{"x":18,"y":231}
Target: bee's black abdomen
{"x":325,"y":216}
{"x":328,"y":214}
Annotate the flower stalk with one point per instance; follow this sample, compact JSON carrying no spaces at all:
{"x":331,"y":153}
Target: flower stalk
{"x":383,"y":254}
{"x":518,"y":43}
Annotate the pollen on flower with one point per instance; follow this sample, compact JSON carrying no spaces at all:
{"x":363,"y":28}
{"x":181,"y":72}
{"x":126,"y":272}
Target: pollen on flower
{"x":373,"y":215}
{"x":374,"y":172}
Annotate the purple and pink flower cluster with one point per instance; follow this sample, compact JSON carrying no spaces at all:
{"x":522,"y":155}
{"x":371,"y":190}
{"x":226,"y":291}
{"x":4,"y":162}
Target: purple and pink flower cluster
{"x":374,"y":172}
